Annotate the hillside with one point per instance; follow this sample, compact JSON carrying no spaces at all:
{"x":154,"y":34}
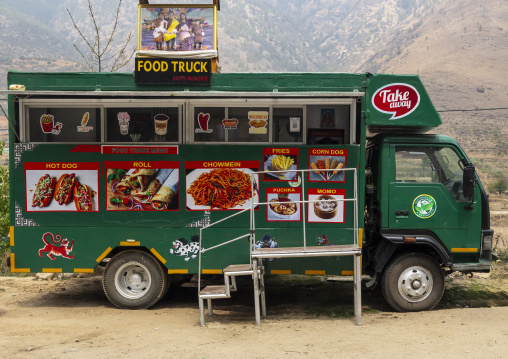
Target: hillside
{"x":459,"y":50}
{"x":32,"y":44}
{"x":306,"y":36}
{"x":457,"y":47}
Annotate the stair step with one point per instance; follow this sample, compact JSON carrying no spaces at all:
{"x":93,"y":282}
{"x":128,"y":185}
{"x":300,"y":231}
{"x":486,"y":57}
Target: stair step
{"x":238,"y":269}
{"x":213,"y":292}
{"x":321,"y":251}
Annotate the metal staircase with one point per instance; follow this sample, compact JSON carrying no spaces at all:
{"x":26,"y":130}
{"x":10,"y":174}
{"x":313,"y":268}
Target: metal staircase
{"x":255,"y":267}
{"x":224,"y":291}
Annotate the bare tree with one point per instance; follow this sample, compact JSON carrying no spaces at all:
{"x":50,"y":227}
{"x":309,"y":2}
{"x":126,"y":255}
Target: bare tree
{"x":101,"y":56}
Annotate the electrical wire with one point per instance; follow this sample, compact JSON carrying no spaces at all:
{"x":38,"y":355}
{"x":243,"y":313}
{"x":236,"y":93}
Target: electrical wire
{"x":477,"y":109}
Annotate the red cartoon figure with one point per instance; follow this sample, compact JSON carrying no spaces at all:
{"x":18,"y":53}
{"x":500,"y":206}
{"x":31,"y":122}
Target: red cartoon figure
{"x":323,"y":241}
{"x":53,"y":250}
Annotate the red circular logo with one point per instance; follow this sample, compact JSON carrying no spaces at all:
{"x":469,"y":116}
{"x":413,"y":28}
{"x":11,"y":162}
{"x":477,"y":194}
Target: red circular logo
{"x":396,"y":99}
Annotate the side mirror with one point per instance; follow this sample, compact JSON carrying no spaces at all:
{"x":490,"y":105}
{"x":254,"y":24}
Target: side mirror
{"x":469,"y":180}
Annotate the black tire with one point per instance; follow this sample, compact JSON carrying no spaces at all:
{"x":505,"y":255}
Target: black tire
{"x":134,"y":280}
{"x":413,"y":282}
{"x":168,"y":284}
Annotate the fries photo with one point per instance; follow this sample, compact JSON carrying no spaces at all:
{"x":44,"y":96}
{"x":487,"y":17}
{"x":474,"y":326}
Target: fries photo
{"x":282,"y":163}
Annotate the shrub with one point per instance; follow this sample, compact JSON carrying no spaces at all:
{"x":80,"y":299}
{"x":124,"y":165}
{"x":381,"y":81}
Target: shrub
{"x":499,"y":185}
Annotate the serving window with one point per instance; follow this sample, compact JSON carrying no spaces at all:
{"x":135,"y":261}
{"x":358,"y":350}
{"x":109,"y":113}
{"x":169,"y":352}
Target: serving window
{"x":288,"y":121}
{"x":63,"y":124}
{"x":328,"y":124}
{"x":101,"y":120}
{"x":288,"y":125}
{"x":311,"y":120}
{"x":257,"y":123}
{"x":231,"y":124}
{"x":142,"y":124}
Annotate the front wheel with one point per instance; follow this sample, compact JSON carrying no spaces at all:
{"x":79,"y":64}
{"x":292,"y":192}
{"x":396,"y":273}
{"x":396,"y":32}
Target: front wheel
{"x":134,"y":280}
{"x":413,"y":282}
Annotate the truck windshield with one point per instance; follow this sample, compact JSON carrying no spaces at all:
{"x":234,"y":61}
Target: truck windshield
{"x":430,"y":165}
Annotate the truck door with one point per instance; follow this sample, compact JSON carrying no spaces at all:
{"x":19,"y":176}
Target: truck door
{"x":425,"y":194}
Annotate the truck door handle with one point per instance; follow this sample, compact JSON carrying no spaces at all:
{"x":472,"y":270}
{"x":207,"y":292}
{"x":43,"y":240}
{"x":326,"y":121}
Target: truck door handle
{"x":401,"y":213}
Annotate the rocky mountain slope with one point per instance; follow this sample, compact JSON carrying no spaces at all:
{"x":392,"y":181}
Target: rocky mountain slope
{"x":459,"y":48}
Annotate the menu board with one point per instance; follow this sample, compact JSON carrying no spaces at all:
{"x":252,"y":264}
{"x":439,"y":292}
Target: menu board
{"x":283,"y":204}
{"x":62,"y":186}
{"x":282,"y":161}
{"x":327,"y":165}
{"x":221,"y":185}
{"x":142,"y":185}
{"x":327,"y":206}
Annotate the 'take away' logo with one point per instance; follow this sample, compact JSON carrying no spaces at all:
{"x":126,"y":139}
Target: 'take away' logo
{"x":397,"y":99}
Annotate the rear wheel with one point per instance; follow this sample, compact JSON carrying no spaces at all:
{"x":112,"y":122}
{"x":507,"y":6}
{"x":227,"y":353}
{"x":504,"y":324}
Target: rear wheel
{"x":134,"y":280}
{"x":413,"y":282}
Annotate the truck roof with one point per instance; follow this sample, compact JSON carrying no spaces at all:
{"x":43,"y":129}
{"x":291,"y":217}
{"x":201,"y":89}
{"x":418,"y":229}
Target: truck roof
{"x":413,"y":139}
{"x":390,"y":103}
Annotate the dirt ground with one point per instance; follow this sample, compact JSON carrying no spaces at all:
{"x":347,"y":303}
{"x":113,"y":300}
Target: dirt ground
{"x":71,"y":318}
{"x":308,"y":317}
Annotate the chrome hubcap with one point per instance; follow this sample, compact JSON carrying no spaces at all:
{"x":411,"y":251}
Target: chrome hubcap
{"x":132,"y":280}
{"x":415,"y":284}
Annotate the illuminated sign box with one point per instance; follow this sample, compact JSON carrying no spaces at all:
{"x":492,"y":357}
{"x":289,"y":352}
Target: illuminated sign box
{"x":173,"y":71}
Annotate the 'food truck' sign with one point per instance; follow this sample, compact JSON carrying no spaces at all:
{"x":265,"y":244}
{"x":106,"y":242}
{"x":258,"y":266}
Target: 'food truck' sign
{"x":397,"y":99}
{"x":172,"y":71}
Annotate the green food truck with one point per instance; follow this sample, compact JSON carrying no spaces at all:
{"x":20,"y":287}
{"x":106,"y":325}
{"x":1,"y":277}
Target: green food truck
{"x":251,"y":173}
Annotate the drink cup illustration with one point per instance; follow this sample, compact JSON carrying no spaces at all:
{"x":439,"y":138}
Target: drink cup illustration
{"x":161,"y":124}
{"x":47,"y":123}
{"x":123,"y":121}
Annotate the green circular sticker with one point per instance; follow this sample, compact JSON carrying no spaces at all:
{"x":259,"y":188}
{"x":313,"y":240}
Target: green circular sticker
{"x":296,"y":183}
{"x":424,"y":206}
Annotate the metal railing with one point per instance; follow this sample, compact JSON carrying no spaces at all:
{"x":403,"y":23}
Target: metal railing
{"x":252,"y":229}
{"x":354,"y":199}
{"x":202,"y":250}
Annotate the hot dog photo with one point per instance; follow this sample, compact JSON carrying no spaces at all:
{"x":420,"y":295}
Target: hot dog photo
{"x":62,"y":187}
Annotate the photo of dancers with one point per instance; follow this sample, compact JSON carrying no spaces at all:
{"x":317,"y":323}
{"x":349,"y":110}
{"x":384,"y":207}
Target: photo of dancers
{"x":177,"y":29}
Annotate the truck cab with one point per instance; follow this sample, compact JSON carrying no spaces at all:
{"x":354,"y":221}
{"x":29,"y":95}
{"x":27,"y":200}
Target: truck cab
{"x":427,"y":214}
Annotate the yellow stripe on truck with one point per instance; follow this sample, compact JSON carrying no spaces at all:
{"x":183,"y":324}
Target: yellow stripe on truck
{"x":464,"y":250}
{"x":83,"y":270}
{"x":315,"y":272}
{"x":159,"y":257}
{"x":211,"y":271}
{"x":51,"y":270}
{"x":178,"y":271}
{"x":13,"y":266}
{"x":130,"y":244}
{"x":280,"y":271}
{"x":103,"y":255}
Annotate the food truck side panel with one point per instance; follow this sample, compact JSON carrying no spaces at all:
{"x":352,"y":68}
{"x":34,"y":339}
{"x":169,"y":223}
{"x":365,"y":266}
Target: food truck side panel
{"x":60,"y":238}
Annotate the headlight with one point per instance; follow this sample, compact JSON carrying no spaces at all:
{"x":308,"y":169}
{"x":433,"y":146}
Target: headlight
{"x":487,"y":243}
